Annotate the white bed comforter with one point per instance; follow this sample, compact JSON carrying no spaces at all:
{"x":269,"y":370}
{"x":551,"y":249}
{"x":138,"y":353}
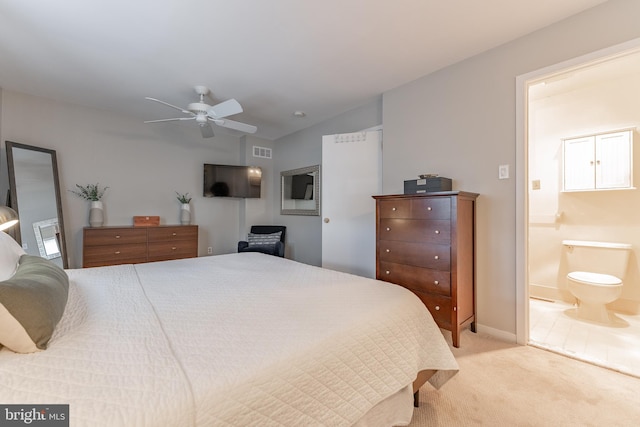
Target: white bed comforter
{"x":231,"y":340}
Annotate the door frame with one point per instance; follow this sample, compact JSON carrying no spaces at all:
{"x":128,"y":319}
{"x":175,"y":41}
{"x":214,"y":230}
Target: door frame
{"x":522,"y":162}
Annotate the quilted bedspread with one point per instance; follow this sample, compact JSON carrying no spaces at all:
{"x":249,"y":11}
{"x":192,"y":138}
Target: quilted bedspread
{"x":230,"y":340}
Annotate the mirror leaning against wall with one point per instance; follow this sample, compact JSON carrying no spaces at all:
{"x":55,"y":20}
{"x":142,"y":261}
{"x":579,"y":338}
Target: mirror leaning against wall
{"x":35,"y":196}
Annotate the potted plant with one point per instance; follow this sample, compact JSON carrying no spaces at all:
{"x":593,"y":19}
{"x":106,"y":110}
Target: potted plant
{"x":94,"y":194}
{"x":185,"y":209}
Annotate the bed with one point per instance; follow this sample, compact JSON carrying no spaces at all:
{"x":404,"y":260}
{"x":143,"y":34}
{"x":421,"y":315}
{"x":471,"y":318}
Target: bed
{"x":231,"y":340}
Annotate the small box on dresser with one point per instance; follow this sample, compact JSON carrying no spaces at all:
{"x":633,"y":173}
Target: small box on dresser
{"x":132,"y":245}
{"x":426,"y":243}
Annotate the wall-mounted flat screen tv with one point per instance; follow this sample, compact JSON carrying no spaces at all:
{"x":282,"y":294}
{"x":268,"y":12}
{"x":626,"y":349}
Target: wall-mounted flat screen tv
{"x":232,"y":181}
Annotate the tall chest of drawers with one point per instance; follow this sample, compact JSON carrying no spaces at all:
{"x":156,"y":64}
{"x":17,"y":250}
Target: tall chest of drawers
{"x":132,"y":245}
{"x":426,"y":243}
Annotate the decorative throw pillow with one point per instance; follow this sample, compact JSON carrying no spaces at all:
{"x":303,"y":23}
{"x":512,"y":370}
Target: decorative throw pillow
{"x":31,"y":304}
{"x":263,"y":239}
{"x":10,"y":252}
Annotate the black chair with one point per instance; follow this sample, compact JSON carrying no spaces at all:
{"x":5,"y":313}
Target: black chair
{"x":255,"y":244}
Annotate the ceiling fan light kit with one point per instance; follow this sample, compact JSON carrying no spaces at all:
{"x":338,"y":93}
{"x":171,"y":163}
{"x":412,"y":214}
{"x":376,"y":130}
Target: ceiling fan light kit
{"x":203,"y":113}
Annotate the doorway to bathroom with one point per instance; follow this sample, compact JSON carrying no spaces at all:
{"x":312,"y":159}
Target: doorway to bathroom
{"x":588,"y":96}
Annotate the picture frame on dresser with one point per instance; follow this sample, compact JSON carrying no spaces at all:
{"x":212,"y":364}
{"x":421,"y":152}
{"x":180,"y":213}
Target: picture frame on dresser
{"x":426,"y":243}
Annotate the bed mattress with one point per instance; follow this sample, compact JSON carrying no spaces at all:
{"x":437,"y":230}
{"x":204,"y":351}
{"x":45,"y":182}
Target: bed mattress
{"x":239,"y":339}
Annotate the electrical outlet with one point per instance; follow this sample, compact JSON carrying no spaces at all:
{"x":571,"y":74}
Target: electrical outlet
{"x":503,"y":171}
{"x":535,"y":184}
{"x":209,"y":250}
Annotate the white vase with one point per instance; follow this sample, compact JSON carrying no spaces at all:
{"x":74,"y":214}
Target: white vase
{"x":96,"y":214}
{"x":185,"y":214}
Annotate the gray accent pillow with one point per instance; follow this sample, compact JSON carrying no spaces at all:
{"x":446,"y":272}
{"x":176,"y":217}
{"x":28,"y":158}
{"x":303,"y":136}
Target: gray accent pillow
{"x":271,"y":239}
{"x":31,"y":304}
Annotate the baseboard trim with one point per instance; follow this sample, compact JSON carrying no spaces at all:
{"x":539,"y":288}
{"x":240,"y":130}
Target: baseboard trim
{"x":497,"y":333}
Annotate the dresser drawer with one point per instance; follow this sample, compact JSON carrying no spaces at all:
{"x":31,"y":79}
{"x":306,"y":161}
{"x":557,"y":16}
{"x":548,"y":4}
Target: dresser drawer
{"x":113,"y":236}
{"x":414,"y":230}
{"x":416,"y":278}
{"x":162,"y":251}
{"x":431,"y":208}
{"x":429,"y":255}
{"x":95,"y":256}
{"x":394,"y":209}
{"x":164,"y":234}
{"x":439,"y":307}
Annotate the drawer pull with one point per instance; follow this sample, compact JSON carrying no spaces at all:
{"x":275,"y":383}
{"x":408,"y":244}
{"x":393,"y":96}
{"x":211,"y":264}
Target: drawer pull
{"x":388,"y":229}
{"x":117,"y":236}
{"x":117,"y":252}
{"x":173,"y":234}
{"x":436,"y":282}
{"x":455,"y":308}
{"x":437,"y":308}
{"x":437,"y":231}
{"x":173,"y":248}
{"x":393,"y":209}
{"x":429,"y":208}
{"x":387,"y":250}
{"x":387,"y":272}
{"x":436,"y":257}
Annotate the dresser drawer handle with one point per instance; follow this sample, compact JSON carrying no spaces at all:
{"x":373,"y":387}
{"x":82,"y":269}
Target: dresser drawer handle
{"x":437,"y":308}
{"x":436,"y":282}
{"x":429,"y":208}
{"x":173,"y":248}
{"x":117,"y":252}
{"x":388,"y":229}
{"x":387,"y":272}
{"x":393,"y":209}
{"x":117,"y":236}
{"x":436,"y":257}
{"x":437,"y":231}
{"x":174,"y":234}
{"x":388,"y":250}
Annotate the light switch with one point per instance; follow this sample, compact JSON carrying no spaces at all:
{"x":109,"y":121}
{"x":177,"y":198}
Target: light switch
{"x":503,"y":171}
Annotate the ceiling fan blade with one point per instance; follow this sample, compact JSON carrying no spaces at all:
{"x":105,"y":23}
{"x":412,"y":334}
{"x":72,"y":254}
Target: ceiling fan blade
{"x":207,"y":130}
{"x":224,"y":109}
{"x":169,"y":120}
{"x":242,"y":127}
{"x":169,"y":105}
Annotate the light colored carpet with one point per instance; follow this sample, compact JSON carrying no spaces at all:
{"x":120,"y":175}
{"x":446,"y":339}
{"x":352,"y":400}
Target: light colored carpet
{"x":503,"y":384}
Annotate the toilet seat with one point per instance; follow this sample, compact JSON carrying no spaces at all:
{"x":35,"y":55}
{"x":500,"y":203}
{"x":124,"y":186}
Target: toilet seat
{"x":594,"y":278}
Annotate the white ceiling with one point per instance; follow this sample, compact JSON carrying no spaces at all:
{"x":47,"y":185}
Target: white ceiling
{"x":323,"y":57}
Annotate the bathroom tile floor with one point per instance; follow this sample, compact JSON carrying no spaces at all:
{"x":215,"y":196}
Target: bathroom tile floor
{"x":553,"y":326}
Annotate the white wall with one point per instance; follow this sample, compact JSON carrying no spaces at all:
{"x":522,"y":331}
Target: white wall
{"x":304,"y":148}
{"x":459,"y":122}
{"x":143,"y":164}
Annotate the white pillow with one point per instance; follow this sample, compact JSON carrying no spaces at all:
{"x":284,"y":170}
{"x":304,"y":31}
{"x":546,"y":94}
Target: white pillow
{"x":10,"y":252}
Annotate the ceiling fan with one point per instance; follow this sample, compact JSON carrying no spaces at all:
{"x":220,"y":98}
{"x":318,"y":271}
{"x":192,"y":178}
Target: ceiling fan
{"x":204,"y":113}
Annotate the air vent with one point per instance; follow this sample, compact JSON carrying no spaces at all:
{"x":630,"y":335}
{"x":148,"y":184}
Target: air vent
{"x":262,"y":152}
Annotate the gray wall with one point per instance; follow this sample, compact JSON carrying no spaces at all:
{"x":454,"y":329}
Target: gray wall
{"x":143,"y":164}
{"x":304,"y":148}
{"x":459,"y":122}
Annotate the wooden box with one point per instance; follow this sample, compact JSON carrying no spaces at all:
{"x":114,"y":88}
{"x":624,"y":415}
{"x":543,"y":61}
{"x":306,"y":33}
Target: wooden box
{"x":146,"y":221}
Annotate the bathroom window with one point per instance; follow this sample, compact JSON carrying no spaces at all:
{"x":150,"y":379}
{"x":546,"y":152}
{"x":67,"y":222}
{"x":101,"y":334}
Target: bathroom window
{"x":598,"y":162}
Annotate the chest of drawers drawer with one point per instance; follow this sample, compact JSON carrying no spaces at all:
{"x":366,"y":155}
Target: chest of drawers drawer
{"x":170,"y":234}
{"x":415,"y":230}
{"x":429,"y":255}
{"x":162,"y":251}
{"x":416,"y":278}
{"x":96,"y":256}
{"x":114,"y":236}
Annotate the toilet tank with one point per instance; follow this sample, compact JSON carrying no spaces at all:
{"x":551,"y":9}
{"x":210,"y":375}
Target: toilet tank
{"x":597,"y":257}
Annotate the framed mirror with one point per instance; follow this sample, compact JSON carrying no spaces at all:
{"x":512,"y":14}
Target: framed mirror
{"x":300,"y":191}
{"x":35,"y":196}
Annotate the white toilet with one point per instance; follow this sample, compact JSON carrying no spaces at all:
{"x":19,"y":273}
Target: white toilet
{"x":595,"y":278}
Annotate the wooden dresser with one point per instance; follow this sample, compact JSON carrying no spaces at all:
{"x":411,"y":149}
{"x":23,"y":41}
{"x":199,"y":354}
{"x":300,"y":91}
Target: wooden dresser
{"x":131,"y":245}
{"x":426,"y":243}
